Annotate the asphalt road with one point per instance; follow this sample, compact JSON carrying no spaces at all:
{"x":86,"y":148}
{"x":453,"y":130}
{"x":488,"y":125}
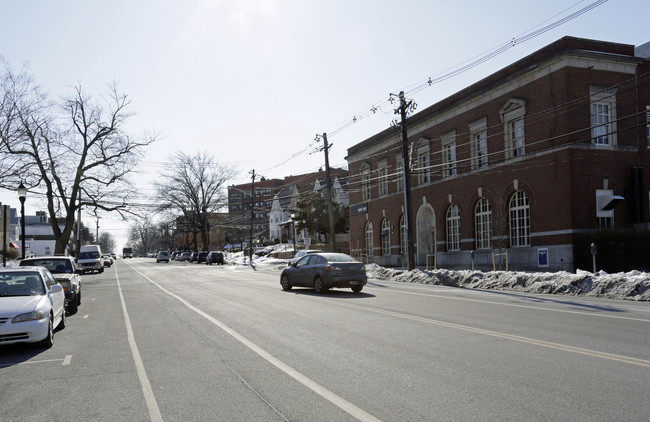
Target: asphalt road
{"x":189,"y":342}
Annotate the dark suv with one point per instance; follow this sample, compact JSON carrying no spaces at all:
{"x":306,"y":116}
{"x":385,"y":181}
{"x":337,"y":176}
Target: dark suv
{"x":214,"y":257}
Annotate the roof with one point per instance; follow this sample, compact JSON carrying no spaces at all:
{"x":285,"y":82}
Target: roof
{"x":563,"y":46}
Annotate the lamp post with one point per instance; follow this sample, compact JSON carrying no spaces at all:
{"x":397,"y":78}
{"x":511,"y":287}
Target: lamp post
{"x":22,"y":194}
{"x":293,"y":229}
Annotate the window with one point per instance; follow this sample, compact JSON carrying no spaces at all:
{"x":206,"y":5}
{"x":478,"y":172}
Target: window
{"x":402,"y":235}
{"x":515,"y":137}
{"x":423,"y":170}
{"x":478,"y":143}
{"x":647,"y":124}
{"x":365,"y":183}
{"x":512,"y":115}
{"x":519,"y":220}
{"x":603,"y":116}
{"x":424,"y":175}
{"x":383,"y":178}
{"x":453,"y":228}
{"x":483,"y":224}
{"x":385,"y":237}
{"x":399,"y":174}
{"x":368,"y":250}
{"x":449,"y":166}
{"x":601,"y":123}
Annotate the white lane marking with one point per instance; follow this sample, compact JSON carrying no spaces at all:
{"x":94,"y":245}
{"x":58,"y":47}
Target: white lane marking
{"x":304,"y":380}
{"x":33,"y":361}
{"x":515,"y":305}
{"x":66,"y":360}
{"x":86,"y":316}
{"x":150,"y":399}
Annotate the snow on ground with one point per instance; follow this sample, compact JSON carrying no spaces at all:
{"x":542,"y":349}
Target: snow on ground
{"x":633,"y":285}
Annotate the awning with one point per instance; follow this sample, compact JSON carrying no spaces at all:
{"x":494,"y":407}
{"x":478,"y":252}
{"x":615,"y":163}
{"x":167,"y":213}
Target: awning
{"x":608,"y":202}
{"x":14,"y":245}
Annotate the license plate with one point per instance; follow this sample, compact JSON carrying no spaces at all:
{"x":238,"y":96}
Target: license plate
{"x":354,"y":282}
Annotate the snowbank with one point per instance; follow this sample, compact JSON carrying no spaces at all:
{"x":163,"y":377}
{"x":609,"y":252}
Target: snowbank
{"x":633,"y":285}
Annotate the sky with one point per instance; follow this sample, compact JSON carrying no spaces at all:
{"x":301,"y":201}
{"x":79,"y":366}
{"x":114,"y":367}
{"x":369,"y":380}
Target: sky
{"x":254,"y":81}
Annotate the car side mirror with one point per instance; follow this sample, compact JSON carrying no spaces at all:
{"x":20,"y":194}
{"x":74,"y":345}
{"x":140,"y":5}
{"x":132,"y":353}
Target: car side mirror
{"x":56,"y":288}
{"x":78,"y":271}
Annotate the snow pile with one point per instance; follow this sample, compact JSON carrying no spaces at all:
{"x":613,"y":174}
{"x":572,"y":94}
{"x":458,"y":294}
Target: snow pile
{"x":633,"y":285}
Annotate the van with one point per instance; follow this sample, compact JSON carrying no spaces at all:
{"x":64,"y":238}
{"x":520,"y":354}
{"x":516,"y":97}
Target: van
{"x":90,"y":259}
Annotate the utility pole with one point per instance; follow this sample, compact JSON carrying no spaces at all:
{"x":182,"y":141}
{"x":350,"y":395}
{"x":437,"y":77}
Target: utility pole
{"x":410,"y":250}
{"x":78,"y":247}
{"x":250,"y":243}
{"x":328,"y":181}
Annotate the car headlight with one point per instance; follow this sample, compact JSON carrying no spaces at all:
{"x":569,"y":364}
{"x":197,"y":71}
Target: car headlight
{"x":30,"y":316}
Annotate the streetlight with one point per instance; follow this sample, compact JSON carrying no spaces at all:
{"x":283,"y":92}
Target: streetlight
{"x":293,"y":229}
{"x":22,"y":194}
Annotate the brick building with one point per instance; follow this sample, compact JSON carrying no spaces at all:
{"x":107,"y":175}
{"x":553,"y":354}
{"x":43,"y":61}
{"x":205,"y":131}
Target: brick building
{"x":540,"y":160}
{"x":239,"y":203}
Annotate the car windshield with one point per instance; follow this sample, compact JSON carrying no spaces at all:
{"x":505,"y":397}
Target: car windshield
{"x":21,"y":284}
{"x":56,"y":266}
{"x":89,"y":255}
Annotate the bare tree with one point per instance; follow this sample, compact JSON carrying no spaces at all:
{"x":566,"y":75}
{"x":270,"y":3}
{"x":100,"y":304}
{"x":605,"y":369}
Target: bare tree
{"x":106,"y":242}
{"x":74,"y":152}
{"x":195,"y":186}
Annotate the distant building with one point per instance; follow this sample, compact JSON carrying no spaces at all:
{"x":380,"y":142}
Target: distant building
{"x":269,"y":214}
{"x":538,"y":160}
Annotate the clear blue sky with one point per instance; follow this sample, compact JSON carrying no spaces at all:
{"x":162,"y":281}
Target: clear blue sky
{"x":253,"y":81}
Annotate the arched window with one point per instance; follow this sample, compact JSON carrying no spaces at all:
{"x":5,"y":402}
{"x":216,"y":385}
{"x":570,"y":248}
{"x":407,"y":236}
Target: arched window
{"x":483,"y":224}
{"x":402,"y":235}
{"x":453,"y":228}
{"x":519,"y":220}
{"x":385,"y":237}
{"x":368,"y":238}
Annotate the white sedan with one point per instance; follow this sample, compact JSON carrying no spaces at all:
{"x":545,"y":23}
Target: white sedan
{"x":32,"y":305}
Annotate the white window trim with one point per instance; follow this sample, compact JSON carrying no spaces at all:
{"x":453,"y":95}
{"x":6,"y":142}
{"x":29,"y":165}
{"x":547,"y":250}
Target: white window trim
{"x":600,"y":95}
{"x":366,"y":184}
{"x":385,"y":238}
{"x":424,"y":171}
{"x":483,"y":224}
{"x":477,"y":128}
{"x":512,"y":111}
{"x":519,"y":225}
{"x":453,"y":228}
{"x":448,"y":149}
{"x":383,"y":177}
{"x":399,"y":173}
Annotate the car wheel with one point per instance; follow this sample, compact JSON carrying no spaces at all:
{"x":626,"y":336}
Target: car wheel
{"x":62,"y":323}
{"x":319,"y":286}
{"x":284,"y":281}
{"x":357,"y":289}
{"x":78,"y":297}
{"x":48,"y":341}
{"x":72,"y":306}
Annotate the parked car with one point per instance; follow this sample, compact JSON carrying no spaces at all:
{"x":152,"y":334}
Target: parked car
{"x":200,"y":257}
{"x":32,"y":305}
{"x":302,"y":252}
{"x":90,"y":258}
{"x":185,"y":256}
{"x":65,"y":272}
{"x":324,"y":270}
{"x":162,"y":256}
{"x":108,"y":261}
{"x":214,"y":257}
{"x":174,"y":255}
